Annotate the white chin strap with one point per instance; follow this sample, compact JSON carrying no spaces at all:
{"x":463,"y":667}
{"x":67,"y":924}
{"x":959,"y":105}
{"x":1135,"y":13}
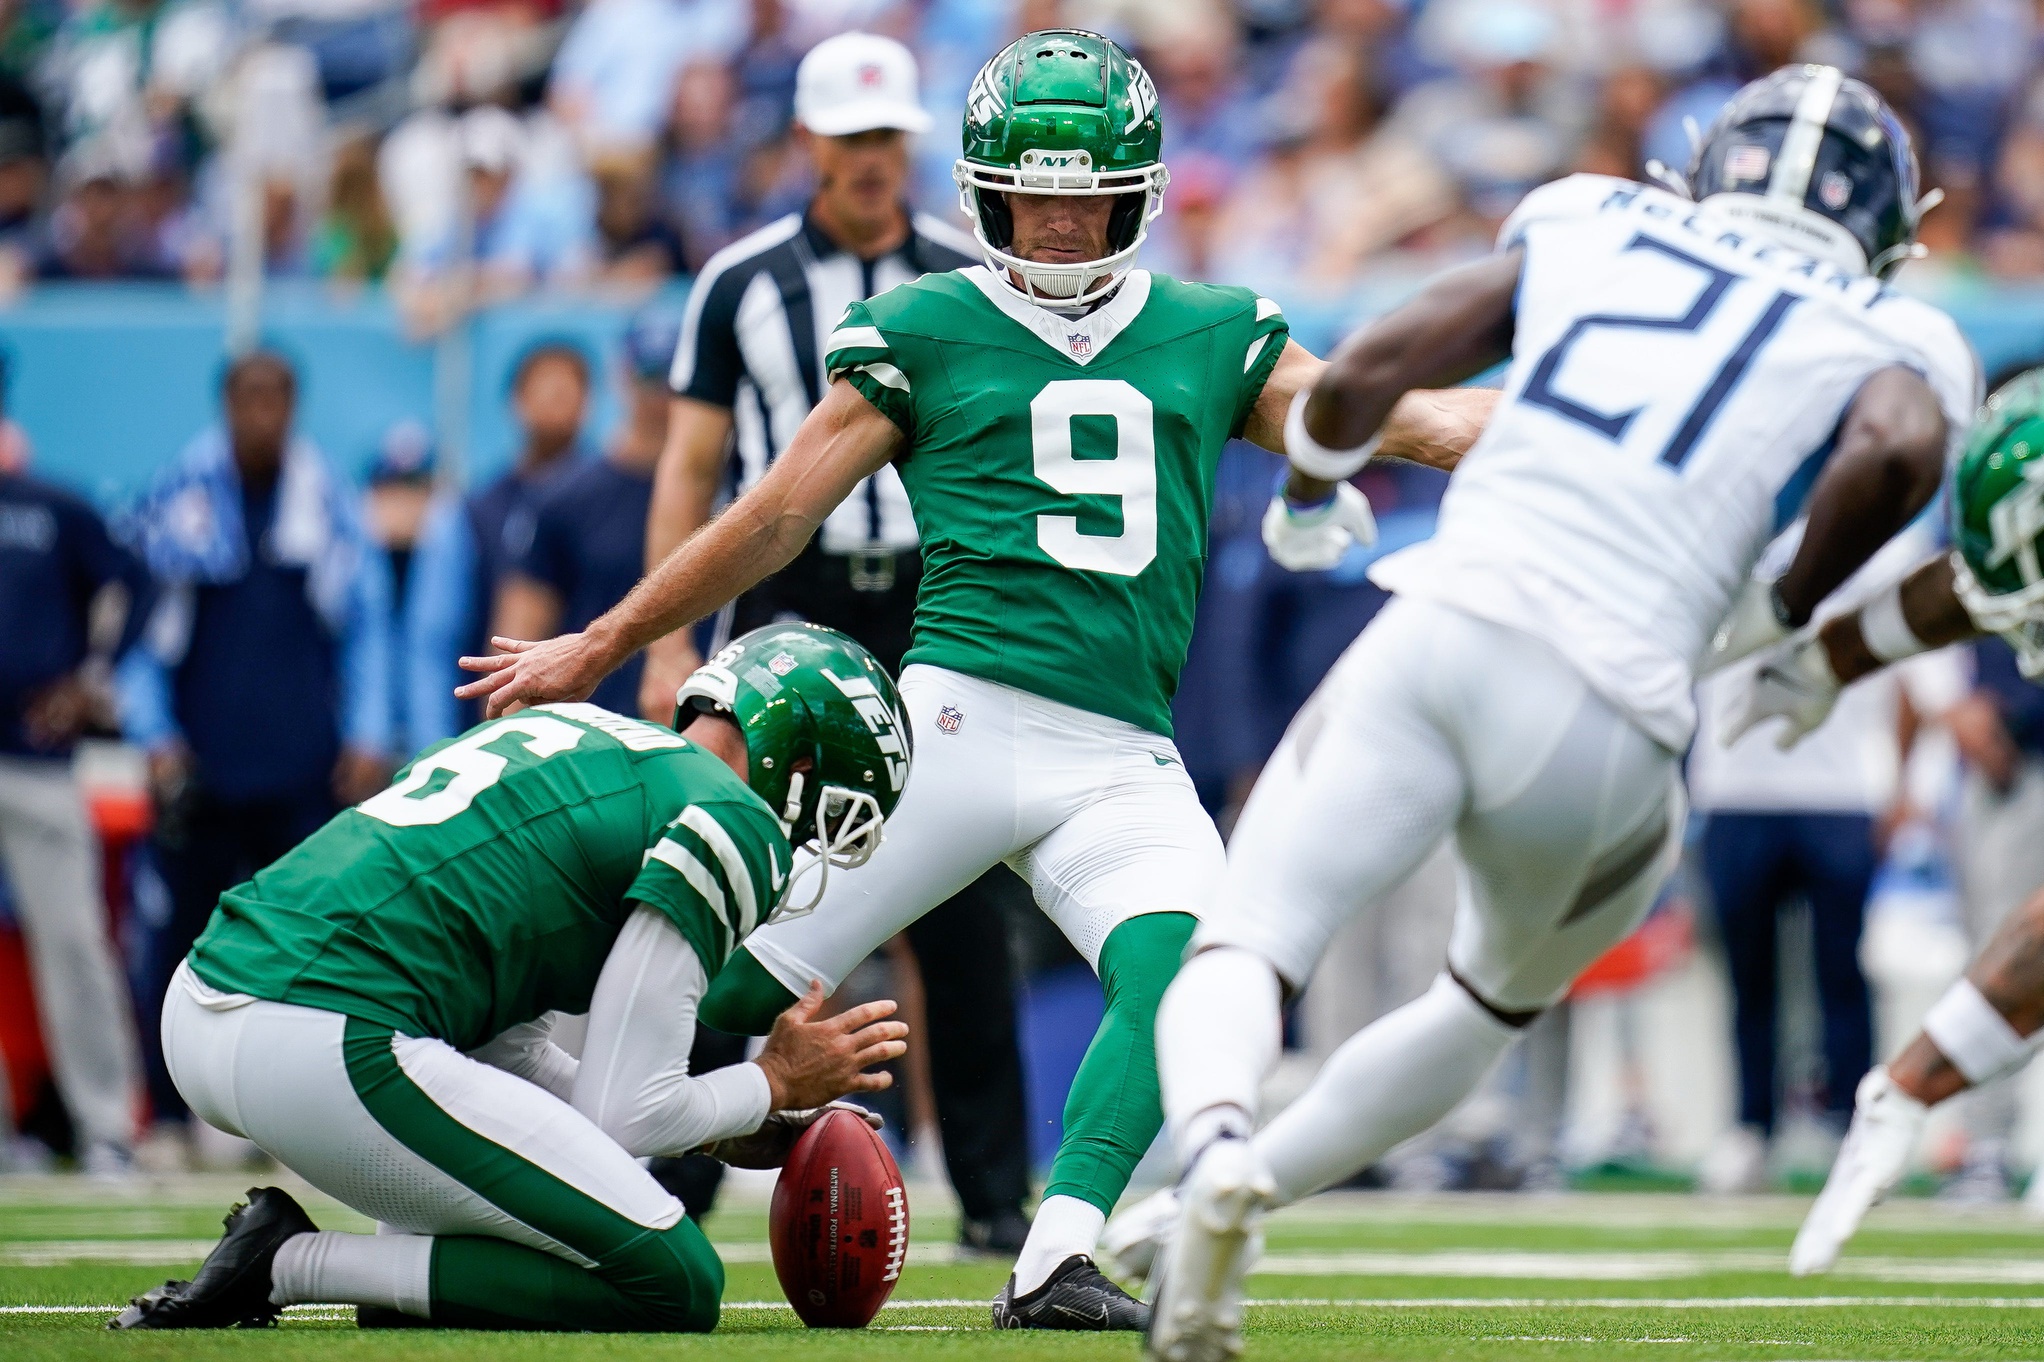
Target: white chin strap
{"x":1061,"y":288}
{"x":849,"y":829}
{"x":2018,"y":616}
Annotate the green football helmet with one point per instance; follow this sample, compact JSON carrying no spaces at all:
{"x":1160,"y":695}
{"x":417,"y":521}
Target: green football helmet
{"x":1998,"y":519}
{"x":1062,"y":111}
{"x":827,"y":741}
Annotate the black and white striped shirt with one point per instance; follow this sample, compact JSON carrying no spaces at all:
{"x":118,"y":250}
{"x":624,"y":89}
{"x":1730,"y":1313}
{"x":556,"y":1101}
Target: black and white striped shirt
{"x":752,"y":340}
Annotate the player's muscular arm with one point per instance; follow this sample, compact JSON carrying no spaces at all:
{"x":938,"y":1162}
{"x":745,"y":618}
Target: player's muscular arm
{"x":844,"y":440}
{"x":1889,"y":458}
{"x":2010,"y":974}
{"x":684,"y":490}
{"x":1930,"y":607}
{"x":1458,"y":326}
{"x":1434,"y":428}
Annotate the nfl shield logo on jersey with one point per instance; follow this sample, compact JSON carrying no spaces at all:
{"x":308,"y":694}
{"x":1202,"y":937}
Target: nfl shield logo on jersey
{"x":1082,"y":346}
{"x":949,"y":717}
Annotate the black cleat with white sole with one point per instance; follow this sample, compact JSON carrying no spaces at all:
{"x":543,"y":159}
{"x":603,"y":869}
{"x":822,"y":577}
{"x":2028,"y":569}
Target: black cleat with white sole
{"x":1074,"y":1296}
{"x":232,"y":1287}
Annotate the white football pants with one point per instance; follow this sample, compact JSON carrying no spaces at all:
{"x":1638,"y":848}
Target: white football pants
{"x":1567,"y":818}
{"x":1097,"y":815}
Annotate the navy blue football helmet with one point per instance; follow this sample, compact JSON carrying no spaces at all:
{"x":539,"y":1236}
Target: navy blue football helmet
{"x":1821,"y":160}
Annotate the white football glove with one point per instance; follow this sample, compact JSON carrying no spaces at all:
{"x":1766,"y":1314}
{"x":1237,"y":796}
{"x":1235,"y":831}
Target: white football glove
{"x":1749,"y":626}
{"x":1314,"y":538}
{"x":1793,"y":682}
{"x":1885,"y":1124}
{"x":770,"y":1145}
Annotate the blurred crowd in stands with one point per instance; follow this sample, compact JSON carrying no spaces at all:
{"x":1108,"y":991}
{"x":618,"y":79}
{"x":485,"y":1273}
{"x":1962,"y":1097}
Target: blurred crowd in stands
{"x":615,"y":143}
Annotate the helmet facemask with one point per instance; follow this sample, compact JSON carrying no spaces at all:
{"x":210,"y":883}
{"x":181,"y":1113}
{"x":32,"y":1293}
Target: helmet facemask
{"x":847,"y":828}
{"x":1139,"y":198}
{"x":2016,"y":522}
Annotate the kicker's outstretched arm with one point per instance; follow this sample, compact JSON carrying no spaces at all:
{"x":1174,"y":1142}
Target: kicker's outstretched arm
{"x":844,"y":440}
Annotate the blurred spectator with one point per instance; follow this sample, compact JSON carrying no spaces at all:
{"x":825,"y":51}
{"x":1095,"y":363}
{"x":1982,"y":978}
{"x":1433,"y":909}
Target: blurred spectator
{"x":355,"y":240}
{"x":136,"y":70}
{"x":24,"y":174}
{"x":1999,"y":729}
{"x":1805,"y":824}
{"x":613,"y":81}
{"x":1336,"y":189}
{"x":1200,"y":87}
{"x":588,"y":542}
{"x":1625,"y":109}
{"x":700,"y":181}
{"x":515,"y":226}
{"x":261,"y":693}
{"x":96,"y":232}
{"x":70,"y":602}
{"x":2015,"y":245}
{"x":394,"y":507}
{"x":15,"y":451}
{"x":469,"y":542}
{"x":638,"y":248}
{"x":1510,"y":117}
{"x":354,"y":44}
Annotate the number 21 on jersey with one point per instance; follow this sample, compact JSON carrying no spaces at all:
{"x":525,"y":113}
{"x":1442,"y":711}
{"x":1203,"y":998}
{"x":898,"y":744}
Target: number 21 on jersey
{"x":1714,"y":285}
{"x":1130,"y":476}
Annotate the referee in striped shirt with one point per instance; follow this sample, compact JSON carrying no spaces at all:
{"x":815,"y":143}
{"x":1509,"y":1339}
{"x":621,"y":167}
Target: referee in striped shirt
{"x":747,"y":370}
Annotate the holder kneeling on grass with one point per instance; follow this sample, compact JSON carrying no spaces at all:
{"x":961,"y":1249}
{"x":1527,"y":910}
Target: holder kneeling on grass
{"x":374,"y":1009}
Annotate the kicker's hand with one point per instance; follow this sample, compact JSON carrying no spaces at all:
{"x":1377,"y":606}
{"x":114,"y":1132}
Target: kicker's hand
{"x":1794,"y":682}
{"x":770,"y":1145}
{"x":810,"y":1062}
{"x":563,"y":668}
{"x":1314,"y":538}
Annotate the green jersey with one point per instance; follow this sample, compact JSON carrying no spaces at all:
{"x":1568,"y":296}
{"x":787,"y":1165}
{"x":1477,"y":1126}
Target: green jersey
{"x":1061,"y":470}
{"x":486,"y":885}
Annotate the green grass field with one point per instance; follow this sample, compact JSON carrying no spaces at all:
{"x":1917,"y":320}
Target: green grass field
{"x":1351,"y":1277}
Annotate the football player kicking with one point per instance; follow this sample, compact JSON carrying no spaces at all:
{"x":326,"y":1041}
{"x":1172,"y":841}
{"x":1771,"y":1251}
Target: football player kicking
{"x":1990,"y":1021}
{"x":373,"y":1009}
{"x":1056,"y":417}
{"x":1683,"y":375}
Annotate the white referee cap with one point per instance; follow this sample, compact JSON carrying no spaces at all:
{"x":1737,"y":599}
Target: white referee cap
{"x":857,"y":82}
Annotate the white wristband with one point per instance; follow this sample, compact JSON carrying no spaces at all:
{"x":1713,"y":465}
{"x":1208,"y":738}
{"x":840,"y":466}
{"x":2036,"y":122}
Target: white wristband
{"x":1977,"y":1039}
{"x":1886,"y":630}
{"x":1316,"y":460}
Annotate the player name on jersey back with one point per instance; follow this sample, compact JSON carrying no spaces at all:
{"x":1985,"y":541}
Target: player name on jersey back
{"x":1677,"y":383}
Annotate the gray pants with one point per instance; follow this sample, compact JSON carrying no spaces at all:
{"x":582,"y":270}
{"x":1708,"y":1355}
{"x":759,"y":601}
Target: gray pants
{"x":51,"y":856}
{"x":2001,"y":864}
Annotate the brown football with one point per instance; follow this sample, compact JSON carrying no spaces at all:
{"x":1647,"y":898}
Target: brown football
{"x":839,"y":1224}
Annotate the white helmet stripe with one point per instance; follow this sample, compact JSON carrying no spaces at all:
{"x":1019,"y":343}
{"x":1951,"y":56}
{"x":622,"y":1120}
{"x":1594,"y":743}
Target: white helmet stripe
{"x":1797,"y":160}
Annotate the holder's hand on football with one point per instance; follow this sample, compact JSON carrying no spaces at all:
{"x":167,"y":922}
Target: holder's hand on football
{"x":810,"y":1062}
{"x":1794,"y":682}
{"x":1314,"y":538}
{"x":526,"y":673}
{"x":770,"y":1145}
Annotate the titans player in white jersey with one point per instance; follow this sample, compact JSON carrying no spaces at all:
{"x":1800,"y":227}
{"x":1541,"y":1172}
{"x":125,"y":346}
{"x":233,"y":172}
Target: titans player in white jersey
{"x":1686,"y":376}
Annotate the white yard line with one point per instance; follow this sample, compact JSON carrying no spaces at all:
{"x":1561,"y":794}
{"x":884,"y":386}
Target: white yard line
{"x":1367,"y":1303}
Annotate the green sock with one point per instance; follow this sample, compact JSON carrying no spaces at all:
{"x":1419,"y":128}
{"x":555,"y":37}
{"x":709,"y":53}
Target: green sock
{"x":1114,"y":1110}
{"x":745,"y":999}
{"x":669,"y":1284}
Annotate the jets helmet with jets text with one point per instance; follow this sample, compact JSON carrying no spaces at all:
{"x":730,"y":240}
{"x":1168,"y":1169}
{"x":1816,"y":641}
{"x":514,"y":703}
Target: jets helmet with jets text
{"x":1066,"y":112}
{"x":827,"y":740}
{"x":1820,"y":160}
{"x":1998,"y":519}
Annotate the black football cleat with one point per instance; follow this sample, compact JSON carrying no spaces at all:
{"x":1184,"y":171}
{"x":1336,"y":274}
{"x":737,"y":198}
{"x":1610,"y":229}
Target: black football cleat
{"x":232,"y":1287}
{"x":1074,"y":1296}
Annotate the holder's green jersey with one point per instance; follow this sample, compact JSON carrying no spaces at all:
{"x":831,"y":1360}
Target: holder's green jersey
{"x":486,"y":885}
{"x":1061,"y":470}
